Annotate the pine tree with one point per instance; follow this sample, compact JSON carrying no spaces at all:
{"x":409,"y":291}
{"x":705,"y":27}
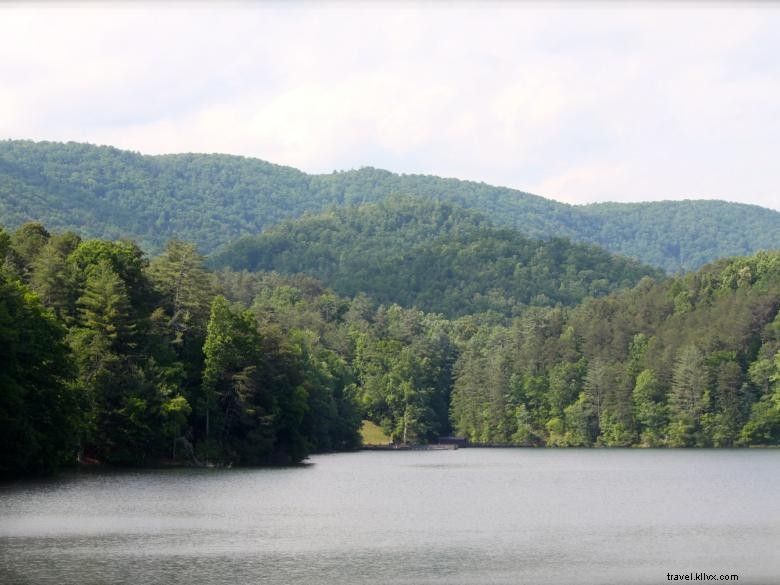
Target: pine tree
{"x":597,"y":381}
{"x":180,"y":275}
{"x":689,"y":383}
{"x":104,"y":307}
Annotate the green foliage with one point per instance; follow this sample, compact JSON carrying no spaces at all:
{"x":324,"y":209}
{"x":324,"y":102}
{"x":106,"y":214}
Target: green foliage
{"x":682,"y":235}
{"x":433,"y":256}
{"x":25,"y":244}
{"x":580,"y":423}
{"x":179,"y":275}
{"x":632,"y":368}
{"x":5,"y":243}
{"x":104,"y":192}
{"x":650,"y":411}
{"x":40,"y":410}
{"x":763,"y":428}
{"x":690,"y":385}
{"x":53,"y":278}
{"x":104,"y":306}
{"x":129,"y":358}
{"x":403,"y":365}
{"x":241,"y":412}
{"x":129,"y":361}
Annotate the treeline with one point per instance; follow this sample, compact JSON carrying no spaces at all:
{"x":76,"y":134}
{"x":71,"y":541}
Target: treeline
{"x":210,"y":200}
{"x":690,"y":361}
{"x":110,"y":357}
{"x":693,"y":361}
{"x":107,"y":355}
{"x":435,"y":256}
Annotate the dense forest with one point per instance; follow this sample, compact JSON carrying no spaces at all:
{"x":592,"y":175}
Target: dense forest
{"x":434,"y":256}
{"x":118,"y":359}
{"x":111,"y":356}
{"x":210,"y":200}
{"x":689,"y":361}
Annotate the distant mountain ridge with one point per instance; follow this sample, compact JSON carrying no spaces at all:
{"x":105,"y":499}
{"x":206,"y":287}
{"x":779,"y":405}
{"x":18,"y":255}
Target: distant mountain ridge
{"x":213,"y":199}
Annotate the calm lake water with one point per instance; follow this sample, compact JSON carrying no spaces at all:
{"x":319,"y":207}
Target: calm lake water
{"x":446,"y":517}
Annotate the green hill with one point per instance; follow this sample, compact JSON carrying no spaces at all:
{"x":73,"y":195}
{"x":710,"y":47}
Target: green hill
{"x":212,"y":199}
{"x":434,"y":256}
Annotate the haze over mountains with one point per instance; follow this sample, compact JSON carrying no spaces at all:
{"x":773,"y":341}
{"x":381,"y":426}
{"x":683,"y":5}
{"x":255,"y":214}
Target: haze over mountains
{"x":214,"y":199}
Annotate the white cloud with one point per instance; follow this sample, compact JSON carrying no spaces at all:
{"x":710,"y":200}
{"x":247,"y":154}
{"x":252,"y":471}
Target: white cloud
{"x":576,"y":102}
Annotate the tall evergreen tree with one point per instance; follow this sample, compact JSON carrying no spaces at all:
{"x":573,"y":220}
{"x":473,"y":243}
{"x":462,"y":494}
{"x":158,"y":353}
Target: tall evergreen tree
{"x":104,"y":307}
{"x":182,"y":279}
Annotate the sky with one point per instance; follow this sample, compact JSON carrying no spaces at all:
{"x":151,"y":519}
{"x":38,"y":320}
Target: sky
{"x":578,"y":102}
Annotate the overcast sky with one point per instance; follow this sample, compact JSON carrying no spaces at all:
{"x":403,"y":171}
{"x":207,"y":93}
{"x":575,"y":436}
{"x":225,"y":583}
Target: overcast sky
{"x":576,"y":102}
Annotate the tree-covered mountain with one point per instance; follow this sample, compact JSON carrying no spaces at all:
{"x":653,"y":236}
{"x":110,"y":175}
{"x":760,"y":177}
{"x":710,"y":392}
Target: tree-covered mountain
{"x":701,"y":231}
{"x":214,"y":199}
{"x":434,"y":256}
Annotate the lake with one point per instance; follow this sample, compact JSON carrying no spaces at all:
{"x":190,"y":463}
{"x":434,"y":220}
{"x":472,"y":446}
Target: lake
{"x":469,"y":516}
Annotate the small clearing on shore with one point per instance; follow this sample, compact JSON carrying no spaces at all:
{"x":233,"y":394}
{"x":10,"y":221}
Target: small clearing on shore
{"x":373,"y":434}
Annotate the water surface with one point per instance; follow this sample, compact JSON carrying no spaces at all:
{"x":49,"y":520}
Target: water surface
{"x":440,"y":517}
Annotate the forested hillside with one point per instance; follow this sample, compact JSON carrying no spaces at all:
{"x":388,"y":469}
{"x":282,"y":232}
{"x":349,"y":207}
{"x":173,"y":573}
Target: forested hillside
{"x":434,"y":256}
{"x":114,"y":357}
{"x":213,"y":199}
{"x":701,"y":231}
{"x":693,"y":361}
